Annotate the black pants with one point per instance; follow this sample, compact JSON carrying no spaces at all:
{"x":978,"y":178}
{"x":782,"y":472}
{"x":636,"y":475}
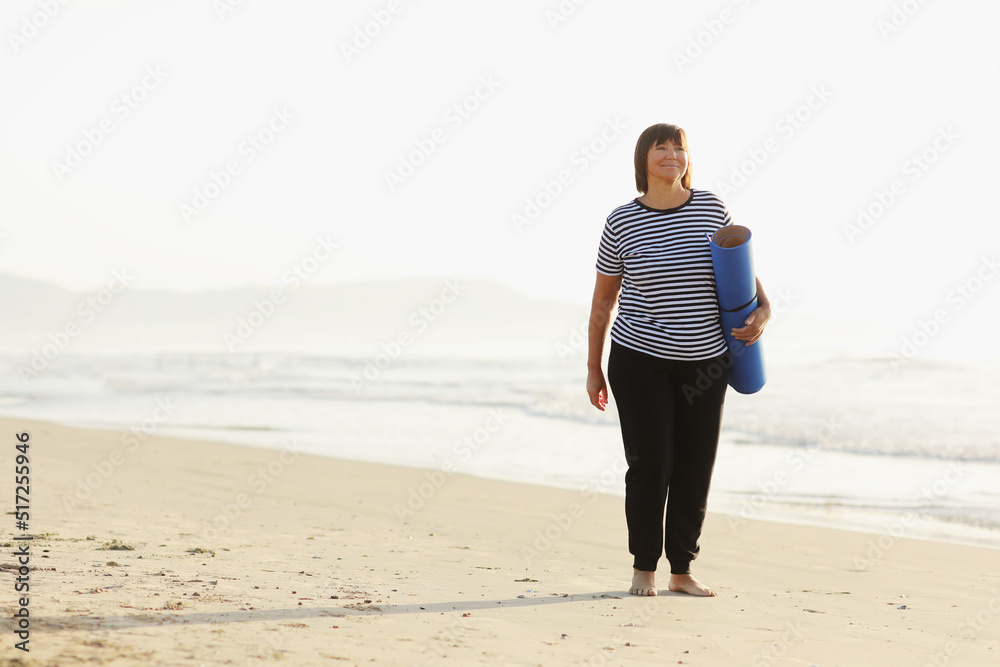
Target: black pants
{"x":670,"y":414}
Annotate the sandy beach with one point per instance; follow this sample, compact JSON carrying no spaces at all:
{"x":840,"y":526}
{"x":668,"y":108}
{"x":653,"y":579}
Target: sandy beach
{"x":176,"y":552}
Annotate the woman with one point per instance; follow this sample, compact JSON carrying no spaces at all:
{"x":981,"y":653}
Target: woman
{"x":666,"y":343}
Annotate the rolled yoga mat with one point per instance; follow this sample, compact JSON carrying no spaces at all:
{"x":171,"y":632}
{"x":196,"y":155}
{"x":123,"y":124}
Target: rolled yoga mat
{"x":736,"y":283}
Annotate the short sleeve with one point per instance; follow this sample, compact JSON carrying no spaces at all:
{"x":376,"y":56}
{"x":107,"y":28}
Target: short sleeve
{"x":727,"y":219}
{"x":608,"y":260}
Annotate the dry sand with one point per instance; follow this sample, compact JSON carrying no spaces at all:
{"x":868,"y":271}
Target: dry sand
{"x":316,"y":566}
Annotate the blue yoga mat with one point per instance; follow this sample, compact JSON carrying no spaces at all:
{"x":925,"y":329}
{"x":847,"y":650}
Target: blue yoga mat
{"x":736,"y":283}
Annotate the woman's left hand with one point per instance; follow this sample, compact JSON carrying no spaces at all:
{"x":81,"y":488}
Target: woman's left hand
{"x":755,"y":324}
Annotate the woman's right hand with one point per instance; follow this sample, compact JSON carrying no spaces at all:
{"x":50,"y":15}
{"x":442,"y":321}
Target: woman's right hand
{"x":597,"y":389}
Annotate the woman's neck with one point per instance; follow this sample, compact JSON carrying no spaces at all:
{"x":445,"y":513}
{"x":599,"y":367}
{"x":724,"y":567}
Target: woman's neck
{"x":665,"y":194}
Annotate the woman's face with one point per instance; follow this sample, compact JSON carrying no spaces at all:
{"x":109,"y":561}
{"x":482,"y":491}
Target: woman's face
{"x":667,"y":160}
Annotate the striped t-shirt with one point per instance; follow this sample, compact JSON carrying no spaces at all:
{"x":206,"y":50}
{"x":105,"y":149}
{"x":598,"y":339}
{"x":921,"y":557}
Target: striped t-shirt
{"x":668,"y":305}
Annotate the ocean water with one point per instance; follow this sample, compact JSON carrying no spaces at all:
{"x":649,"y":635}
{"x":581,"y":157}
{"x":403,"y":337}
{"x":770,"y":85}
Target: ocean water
{"x":894,"y":449}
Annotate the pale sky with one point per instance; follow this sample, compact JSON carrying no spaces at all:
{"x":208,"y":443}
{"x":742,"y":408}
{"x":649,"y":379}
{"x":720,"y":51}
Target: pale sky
{"x":118,"y":113}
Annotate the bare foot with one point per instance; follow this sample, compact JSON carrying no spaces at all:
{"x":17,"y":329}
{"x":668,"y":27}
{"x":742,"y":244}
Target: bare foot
{"x":685,"y":583}
{"x":642,"y":583}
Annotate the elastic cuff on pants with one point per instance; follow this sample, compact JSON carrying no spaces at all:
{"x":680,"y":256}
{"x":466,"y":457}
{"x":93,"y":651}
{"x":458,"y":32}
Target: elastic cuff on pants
{"x":644,"y":566}
{"x":680,"y":568}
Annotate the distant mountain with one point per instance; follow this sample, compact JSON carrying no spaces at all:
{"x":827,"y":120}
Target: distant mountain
{"x":360,"y":316}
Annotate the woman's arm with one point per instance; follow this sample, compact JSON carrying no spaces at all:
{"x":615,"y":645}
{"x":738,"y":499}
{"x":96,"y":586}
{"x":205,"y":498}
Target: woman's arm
{"x":605,"y":296}
{"x":757,"y":320}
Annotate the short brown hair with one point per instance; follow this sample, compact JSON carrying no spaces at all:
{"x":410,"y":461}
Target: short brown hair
{"x":651,"y":137}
